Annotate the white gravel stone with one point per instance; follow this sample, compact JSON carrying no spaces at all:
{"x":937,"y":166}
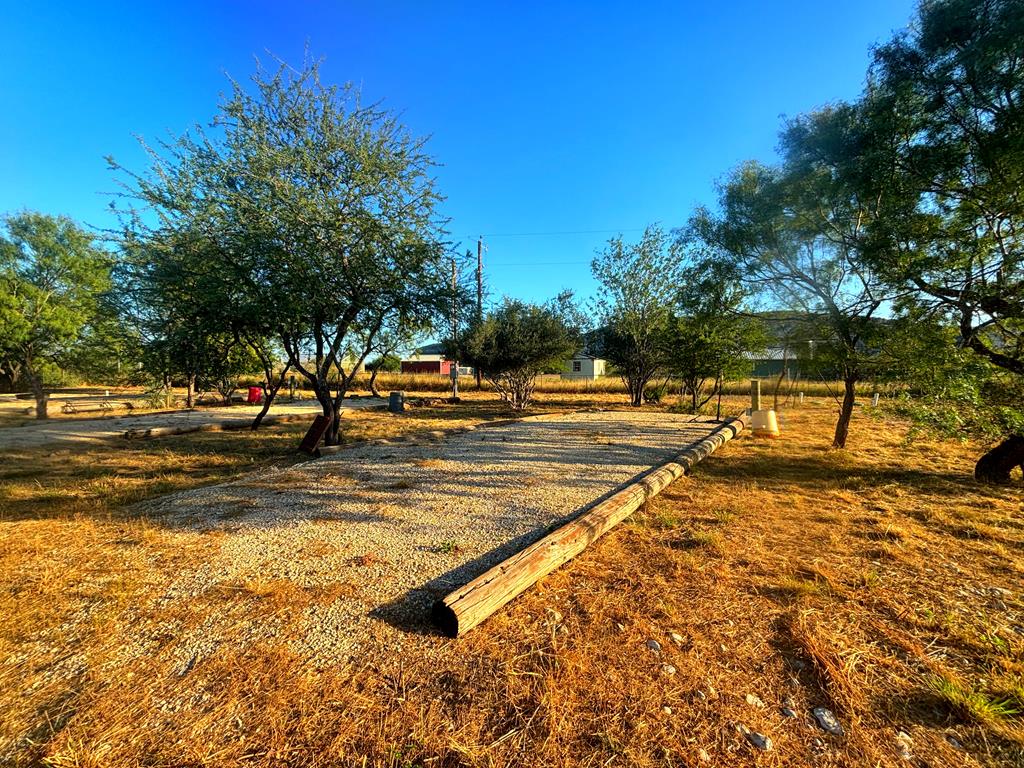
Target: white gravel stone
{"x":384,"y":530}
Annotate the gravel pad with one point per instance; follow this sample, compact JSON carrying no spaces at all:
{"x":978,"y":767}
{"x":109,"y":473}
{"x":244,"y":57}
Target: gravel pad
{"x":384,"y":529}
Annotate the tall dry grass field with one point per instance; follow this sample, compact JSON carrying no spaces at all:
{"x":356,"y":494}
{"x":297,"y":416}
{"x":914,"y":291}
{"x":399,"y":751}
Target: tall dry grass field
{"x":606,"y":385}
{"x":880,"y":582}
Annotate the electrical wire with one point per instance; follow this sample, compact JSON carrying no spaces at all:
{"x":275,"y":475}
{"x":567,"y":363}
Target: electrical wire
{"x":558,"y":233}
{"x":534,"y":263}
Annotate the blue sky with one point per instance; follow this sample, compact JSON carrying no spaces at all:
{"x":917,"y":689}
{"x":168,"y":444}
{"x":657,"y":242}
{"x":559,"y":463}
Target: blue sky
{"x":557,"y":124}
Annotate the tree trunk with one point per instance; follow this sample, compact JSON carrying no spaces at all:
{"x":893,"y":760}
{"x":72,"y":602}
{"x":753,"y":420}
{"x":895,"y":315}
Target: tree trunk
{"x":190,"y":391}
{"x":268,"y":398}
{"x":333,"y":434}
{"x":269,"y":393}
{"x":373,"y":382}
{"x":845,"y":412}
{"x":636,"y":391}
{"x":41,"y":395}
{"x":995,"y":466}
{"x":323,"y":396}
{"x":778,"y":382}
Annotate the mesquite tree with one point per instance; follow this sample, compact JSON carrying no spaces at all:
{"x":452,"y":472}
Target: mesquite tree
{"x":710,"y":336}
{"x":791,"y":234}
{"x":317,"y":212}
{"x":638,"y":282}
{"x":52,"y":277}
{"x":943,"y":153}
{"x":515,"y":343}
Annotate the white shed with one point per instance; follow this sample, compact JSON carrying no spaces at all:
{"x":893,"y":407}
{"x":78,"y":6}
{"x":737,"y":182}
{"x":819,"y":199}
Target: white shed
{"x":583,"y":366}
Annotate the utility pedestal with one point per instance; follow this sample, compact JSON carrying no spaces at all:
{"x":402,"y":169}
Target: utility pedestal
{"x":762,"y":420}
{"x":396,"y":402}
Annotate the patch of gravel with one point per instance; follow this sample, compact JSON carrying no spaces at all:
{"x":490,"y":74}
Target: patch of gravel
{"x":60,"y":433}
{"x":382,"y":530}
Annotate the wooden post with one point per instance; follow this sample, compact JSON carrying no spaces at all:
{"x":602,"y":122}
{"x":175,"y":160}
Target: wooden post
{"x":455,"y":334}
{"x":755,"y":395}
{"x":466,"y":607}
{"x":479,"y":294}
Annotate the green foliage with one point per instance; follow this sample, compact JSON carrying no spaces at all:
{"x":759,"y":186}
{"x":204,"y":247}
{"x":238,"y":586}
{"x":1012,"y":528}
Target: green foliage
{"x":515,"y":343}
{"x":226,"y":361}
{"x":948,"y":389}
{"x":973,"y":704}
{"x":655,"y":393}
{"x":108,"y":350}
{"x":930,"y":163}
{"x":793,"y":233}
{"x":943,"y":132}
{"x":51,"y":278}
{"x":386,"y":363}
{"x":633,"y":310}
{"x":709,"y":335}
{"x":306,"y":216}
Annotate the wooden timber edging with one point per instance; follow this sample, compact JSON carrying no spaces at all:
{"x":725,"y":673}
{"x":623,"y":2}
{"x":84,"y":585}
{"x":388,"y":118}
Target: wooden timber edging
{"x":463,"y":609}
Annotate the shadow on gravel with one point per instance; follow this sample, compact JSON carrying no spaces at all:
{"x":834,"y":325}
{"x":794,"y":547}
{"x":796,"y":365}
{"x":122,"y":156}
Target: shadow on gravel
{"x":411,"y":612}
{"x":350,"y":485}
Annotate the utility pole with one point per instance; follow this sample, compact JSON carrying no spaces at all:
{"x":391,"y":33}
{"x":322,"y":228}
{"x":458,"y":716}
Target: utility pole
{"x":479,"y":293}
{"x":455,"y":332}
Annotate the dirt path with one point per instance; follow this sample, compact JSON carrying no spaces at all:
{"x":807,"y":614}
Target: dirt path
{"x":382,"y":530}
{"x":70,"y":431}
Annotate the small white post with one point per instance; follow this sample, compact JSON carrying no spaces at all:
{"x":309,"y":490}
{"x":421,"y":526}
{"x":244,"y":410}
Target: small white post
{"x":874,"y":400}
{"x":801,"y":398}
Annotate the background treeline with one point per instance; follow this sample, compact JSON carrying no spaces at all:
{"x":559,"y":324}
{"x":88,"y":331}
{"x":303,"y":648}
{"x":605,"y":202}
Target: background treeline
{"x":300,"y":234}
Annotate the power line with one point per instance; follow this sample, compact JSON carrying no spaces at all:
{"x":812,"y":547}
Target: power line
{"x":535,"y":263}
{"x":559,"y":233}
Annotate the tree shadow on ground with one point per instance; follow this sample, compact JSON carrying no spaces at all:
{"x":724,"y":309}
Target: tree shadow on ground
{"x":506,"y":459}
{"x":411,"y":612}
{"x":812,"y":471}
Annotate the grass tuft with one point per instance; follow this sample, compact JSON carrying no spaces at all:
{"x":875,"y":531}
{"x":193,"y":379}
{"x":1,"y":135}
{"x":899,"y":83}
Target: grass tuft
{"x":972,"y":703}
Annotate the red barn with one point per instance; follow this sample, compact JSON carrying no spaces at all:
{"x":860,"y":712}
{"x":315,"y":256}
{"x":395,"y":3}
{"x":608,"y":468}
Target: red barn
{"x":428,"y":359}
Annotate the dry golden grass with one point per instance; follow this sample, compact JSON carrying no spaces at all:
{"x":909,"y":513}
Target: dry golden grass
{"x":99,"y":480}
{"x":879,"y":581}
{"x":606,"y":385}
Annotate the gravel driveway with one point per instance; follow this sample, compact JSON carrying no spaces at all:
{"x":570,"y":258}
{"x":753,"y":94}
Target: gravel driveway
{"x":63,"y":432}
{"x":386,"y":528}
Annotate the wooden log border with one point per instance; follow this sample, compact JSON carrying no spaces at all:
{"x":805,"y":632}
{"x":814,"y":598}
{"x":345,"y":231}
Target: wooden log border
{"x":466,"y":607}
